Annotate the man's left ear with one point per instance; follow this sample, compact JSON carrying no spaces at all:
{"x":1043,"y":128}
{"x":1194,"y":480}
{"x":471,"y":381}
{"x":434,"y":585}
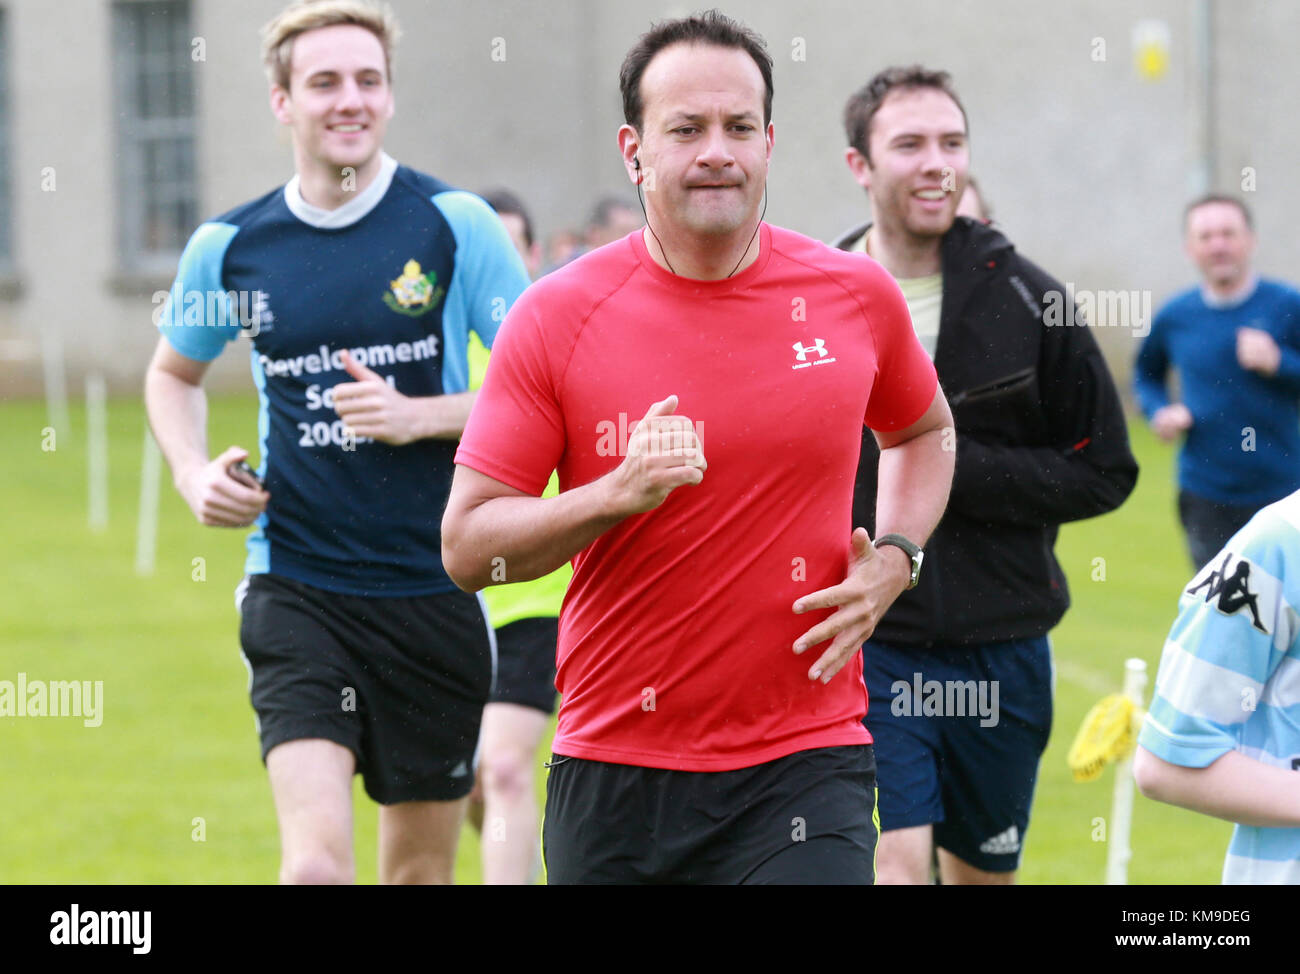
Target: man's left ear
{"x":629,"y":147}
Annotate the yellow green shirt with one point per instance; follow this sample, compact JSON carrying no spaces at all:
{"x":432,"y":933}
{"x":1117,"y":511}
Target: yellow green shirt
{"x":924,"y":297}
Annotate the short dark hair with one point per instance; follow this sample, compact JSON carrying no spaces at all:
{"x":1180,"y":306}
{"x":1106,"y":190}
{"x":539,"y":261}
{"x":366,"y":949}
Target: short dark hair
{"x":711,"y":27}
{"x":863,"y":104}
{"x":504,"y":201}
{"x":602,"y":214}
{"x":1209,"y":198}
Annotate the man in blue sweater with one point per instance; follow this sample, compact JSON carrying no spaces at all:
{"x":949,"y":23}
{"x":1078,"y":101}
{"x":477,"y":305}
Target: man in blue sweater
{"x":1235,"y":342}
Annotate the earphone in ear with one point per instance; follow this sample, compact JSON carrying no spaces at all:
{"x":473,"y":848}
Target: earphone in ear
{"x":636,"y":161}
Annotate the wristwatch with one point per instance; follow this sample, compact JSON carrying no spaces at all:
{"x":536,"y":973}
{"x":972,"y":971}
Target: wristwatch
{"x":913,"y":552}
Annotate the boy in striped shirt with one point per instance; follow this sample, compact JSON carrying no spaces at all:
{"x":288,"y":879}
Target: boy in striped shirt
{"x":1221,"y":736}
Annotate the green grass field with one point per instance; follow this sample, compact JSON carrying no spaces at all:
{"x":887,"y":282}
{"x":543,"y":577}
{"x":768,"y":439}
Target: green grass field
{"x":118,"y":803}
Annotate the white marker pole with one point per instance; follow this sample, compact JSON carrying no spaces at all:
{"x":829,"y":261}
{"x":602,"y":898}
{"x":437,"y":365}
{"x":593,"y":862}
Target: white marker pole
{"x":146,"y":528}
{"x":56,"y":390}
{"x":1118,"y":852}
{"x":97,"y":450}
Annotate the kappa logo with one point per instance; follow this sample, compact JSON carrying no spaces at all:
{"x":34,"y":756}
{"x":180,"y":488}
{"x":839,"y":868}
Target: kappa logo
{"x":801,"y":352}
{"x":415,"y":292}
{"x":1231,"y":589}
{"x":1003,"y":843}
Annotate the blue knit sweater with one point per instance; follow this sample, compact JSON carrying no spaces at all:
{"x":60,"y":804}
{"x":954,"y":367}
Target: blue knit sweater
{"x":1244,"y":445}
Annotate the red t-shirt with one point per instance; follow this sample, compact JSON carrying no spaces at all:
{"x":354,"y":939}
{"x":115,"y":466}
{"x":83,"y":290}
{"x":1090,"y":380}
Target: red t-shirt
{"x":676,"y":632}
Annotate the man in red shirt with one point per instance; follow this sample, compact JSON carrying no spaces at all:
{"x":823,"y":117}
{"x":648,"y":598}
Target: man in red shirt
{"x":712,"y":547}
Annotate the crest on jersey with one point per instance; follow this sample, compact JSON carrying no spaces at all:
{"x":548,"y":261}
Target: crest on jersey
{"x":415,"y":292}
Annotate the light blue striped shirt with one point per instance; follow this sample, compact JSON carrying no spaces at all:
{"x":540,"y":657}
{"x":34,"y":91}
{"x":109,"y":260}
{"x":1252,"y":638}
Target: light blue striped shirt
{"x":1229,"y":676}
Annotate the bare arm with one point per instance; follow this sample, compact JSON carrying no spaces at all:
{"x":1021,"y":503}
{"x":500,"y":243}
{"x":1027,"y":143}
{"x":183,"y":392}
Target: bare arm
{"x":1234,"y":787}
{"x":371,"y":407}
{"x":493,"y":533}
{"x":178,"y":413}
{"x":916,"y":469}
{"x":444,"y":417}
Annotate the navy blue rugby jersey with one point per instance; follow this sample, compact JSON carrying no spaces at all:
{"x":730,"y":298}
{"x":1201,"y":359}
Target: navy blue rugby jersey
{"x":398,"y":276}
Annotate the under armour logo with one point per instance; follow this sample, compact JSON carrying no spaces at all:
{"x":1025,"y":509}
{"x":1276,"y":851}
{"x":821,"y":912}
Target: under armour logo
{"x":801,"y":351}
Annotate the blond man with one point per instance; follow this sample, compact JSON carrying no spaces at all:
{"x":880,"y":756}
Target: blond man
{"x":357,"y":283}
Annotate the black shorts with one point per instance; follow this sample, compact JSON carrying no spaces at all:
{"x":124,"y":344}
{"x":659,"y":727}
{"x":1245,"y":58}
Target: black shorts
{"x":1210,"y":525}
{"x":400,"y":682}
{"x":806,"y":818}
{"x":526,"y":663}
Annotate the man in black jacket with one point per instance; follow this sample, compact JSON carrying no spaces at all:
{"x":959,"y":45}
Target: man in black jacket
{"x":959,"y":670}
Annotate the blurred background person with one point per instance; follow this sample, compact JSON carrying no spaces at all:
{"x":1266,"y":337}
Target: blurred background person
{"x":1234,"y":341}
{"x":561,"y":247}
{"x":612,"y":218}
{"x":519,"y":225}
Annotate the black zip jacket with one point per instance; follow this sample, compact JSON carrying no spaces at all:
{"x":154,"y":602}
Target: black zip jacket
{"x":1041,"y":440}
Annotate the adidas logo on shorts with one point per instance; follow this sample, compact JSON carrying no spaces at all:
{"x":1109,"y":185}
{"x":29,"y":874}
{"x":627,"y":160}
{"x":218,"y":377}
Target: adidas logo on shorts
{"x":1003,"y":843}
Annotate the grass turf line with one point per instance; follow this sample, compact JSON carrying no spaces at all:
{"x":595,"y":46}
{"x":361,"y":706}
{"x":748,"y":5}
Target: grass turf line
{"x":118,"y":803}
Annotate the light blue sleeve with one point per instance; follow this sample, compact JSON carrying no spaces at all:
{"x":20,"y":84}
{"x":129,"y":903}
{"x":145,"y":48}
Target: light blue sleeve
{"x":1235,"y":628}
{"x":488,"y":278}
{"x":198,"y":318}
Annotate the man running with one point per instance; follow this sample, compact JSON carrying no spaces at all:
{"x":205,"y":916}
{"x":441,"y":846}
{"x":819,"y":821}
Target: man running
{"x":701,"y":387}
{"x":1235,"y":343}
{"x":1041,"y":440}
{"x":366,"y":279}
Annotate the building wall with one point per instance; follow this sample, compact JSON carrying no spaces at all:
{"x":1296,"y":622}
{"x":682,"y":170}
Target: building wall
{"x":1087,"y":166}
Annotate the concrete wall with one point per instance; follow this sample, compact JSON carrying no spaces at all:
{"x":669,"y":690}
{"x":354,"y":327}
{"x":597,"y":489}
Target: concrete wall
{"x":1087,"y":165}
